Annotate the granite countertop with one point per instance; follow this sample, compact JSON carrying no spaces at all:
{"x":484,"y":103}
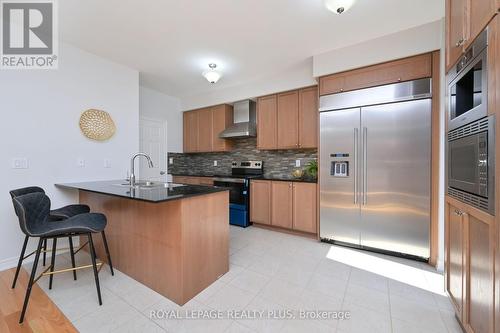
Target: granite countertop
{"x":276,"y":178}
{"x":285,"y":179}
{"x":162,"y":192}
{"x":197,"y":175}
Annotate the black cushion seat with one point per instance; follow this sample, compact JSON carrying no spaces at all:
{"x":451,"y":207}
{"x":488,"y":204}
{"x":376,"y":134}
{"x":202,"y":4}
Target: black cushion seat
{"x":68,"y":211}
{"x":83,"y":223}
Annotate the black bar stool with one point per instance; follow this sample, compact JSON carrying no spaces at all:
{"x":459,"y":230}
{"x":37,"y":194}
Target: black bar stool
{"x":33,"y":211}
{"x":55,"y":215}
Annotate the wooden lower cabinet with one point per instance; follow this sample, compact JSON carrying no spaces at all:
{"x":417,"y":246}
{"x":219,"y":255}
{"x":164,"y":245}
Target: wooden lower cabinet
{"x":455,"y":257}
{"x":284,"y":204}
{"x":304,"y":207}
{"x":281,"y":199}
{"x":480,"y":278}
{"x":192,"y":180}
{"x":470,"y":278}
{"x":260,"y":201}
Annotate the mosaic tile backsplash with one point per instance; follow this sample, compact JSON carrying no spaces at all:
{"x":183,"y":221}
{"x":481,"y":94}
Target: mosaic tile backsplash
{"x":277,"y":163}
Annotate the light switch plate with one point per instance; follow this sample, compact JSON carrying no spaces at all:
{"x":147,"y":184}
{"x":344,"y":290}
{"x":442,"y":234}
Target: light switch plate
{"x":20,"y":163}
{"x":297,"y":163}
{"x":215,"y":163}
{"x":81,"y":163}
{"x":107,"y":163}
{"x":170,"y":160}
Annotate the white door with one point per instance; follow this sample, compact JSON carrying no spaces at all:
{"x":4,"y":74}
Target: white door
{"x":153,"y":141}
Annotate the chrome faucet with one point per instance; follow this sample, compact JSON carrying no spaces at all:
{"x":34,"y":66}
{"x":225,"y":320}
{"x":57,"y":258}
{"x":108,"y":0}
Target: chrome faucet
{"x":132,"y":160}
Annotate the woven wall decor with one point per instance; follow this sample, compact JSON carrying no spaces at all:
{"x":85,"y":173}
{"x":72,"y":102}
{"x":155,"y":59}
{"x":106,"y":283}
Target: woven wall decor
{"x":97,"y":125}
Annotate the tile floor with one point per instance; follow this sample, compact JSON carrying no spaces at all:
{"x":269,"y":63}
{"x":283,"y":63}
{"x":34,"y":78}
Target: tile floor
{"x":270,"y":271}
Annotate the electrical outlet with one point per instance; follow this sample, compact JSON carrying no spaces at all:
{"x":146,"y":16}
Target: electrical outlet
{"x":20,"y":163}
{"x":81,"y":163}
{"x":297,"y":163}
{"x":215,"y":163}
{"x":170,"y":160}
{"x":107,"y":163}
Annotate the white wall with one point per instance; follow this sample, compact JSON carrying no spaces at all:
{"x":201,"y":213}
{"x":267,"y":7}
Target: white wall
{"x":158,"y":106}
{"x":40,"y":111}
{"x":297,"y":76}
{"x":421,"y":39}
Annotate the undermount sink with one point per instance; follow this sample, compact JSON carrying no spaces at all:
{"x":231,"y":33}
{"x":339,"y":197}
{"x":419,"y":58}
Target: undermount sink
{"x":150,"y":185}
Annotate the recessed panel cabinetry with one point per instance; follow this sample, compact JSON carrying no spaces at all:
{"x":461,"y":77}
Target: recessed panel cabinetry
{"x":202,"y":128}
{"x":260,"y":201}
{"x":288,"y":120}
{"x":406,"y":69}
{"x":465,"y":19}
{"x":192,"y":180}
{"x":284,"y":204}
{"x":470,"y":245}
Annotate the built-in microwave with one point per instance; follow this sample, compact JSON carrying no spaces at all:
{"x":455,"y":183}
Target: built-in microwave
{"x":471,"y":164}
{"x":468,"y":85}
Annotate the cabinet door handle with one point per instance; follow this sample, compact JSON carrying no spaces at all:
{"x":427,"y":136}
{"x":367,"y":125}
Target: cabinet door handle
{"x":460,"y":42}
{"x":459,"y":212}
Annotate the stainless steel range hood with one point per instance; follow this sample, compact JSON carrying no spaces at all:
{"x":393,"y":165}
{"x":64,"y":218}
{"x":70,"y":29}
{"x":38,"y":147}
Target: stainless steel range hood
{"x":244,"y":125}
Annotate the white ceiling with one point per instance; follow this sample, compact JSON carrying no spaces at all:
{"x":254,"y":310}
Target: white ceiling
{"x":171,"y":42}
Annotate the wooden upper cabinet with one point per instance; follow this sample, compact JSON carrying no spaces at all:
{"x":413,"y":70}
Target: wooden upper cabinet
{"x":267,"y":116}
{"x":465,"y":19}
{"x":205,"y":130}
{"x":288,"y":120}
{"x":222,"y":118}
{"x":260,"y":201}
{"x":308,"y":117}
{"x":281,"y":210}
{"x":480,"y":13}
{"x":304,"y":207}
{"x":456,"y":30}
{"x":190,"y":129}
{"x":406,"y":69}
{"x":331,"y":84}
{"x":202,"y":128}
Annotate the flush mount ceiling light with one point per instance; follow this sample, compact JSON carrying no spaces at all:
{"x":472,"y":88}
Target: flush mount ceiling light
{"x":339,"y":6}
{"x":212,"y":75}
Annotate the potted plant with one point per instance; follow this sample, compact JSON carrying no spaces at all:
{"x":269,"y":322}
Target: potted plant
{"x":312,"y":169}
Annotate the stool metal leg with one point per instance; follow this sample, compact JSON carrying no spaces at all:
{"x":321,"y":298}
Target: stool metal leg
{"x":44,"y":251}
{"x":107,"y":252}
{"x":32,"y":278}
{"x":96,"y":273}
{"x":53,"y":261}
{"x":72,"y":254}
{"x":20,"y":262}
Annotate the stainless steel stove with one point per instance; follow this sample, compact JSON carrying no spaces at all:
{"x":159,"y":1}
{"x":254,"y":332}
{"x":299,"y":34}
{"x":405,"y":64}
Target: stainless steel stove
{"x":238,"y":184}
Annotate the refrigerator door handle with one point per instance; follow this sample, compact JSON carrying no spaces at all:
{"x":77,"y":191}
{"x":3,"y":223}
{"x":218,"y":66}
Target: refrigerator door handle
{"x":365,"y":159}
{"x":355,"y":166}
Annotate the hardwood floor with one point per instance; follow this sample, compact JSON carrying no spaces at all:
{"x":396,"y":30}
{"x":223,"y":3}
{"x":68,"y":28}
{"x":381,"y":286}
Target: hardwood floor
{"x":42,"y":314}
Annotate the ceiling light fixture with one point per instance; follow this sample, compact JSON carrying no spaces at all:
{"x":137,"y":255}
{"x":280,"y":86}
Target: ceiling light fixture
{"x":339,"y":6}
{"x":212,"y":75}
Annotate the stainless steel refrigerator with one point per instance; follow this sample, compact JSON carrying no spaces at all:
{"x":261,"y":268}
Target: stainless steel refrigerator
{"x":375,"y":149}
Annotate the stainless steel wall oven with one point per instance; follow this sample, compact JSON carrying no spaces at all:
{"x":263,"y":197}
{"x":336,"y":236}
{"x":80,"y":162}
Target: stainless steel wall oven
{"x":471,"y":164}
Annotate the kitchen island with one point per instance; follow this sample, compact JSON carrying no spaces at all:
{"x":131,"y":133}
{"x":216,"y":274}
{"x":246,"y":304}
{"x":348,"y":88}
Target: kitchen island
{"x":172,"y":238}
